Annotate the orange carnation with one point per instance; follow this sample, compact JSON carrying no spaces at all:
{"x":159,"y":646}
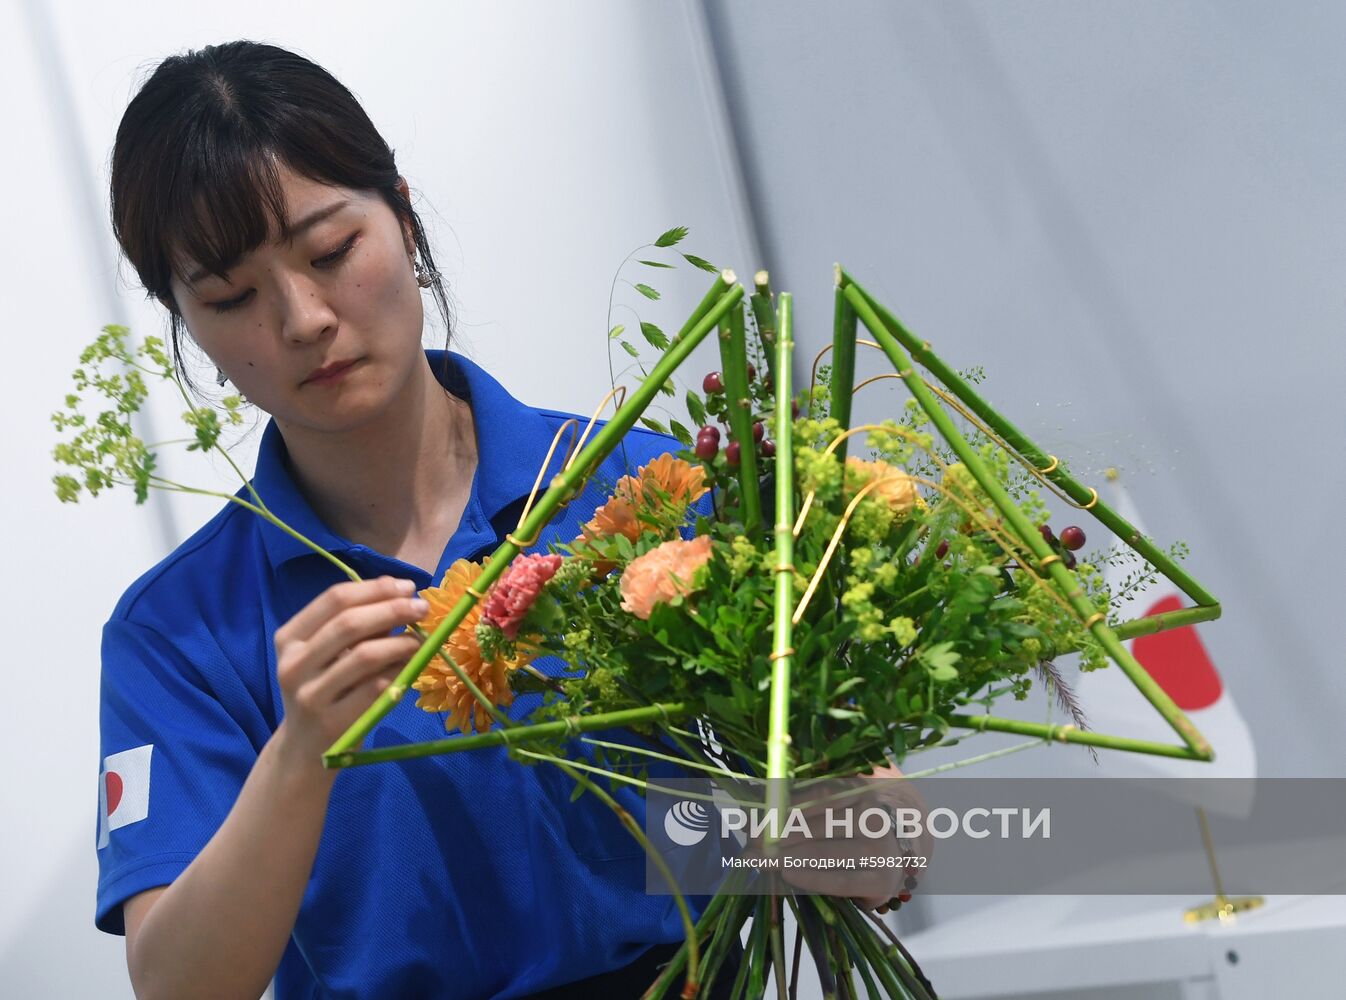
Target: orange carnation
{"x":441,"y":690}
{"x":662,"y":573}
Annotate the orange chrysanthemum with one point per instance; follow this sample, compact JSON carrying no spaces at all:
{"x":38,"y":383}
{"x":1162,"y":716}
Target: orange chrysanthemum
{"x":662,"y":573}
{"x":441,"y":690}
{"x":895,"y":487}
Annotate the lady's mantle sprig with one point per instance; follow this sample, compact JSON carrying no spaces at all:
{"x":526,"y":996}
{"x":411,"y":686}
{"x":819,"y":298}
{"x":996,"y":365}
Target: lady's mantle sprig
{"x":104,"y":450}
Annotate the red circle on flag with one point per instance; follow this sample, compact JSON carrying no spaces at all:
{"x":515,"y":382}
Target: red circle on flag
{"x":1179,"y":662}
{"x":113,"y":780}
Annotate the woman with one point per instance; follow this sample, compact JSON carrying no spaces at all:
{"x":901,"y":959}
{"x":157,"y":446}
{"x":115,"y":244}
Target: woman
{"x":260,"y":206}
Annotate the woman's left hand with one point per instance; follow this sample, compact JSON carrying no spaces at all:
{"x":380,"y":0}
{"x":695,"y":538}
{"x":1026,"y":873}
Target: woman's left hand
{"x":869,"y":870}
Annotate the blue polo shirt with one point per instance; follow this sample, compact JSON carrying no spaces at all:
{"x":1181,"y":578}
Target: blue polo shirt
{"x":464,"y":875}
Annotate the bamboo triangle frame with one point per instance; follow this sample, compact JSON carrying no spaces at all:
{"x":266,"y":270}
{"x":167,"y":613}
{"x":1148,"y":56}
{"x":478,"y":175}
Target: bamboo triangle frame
{"x":853,"y":306}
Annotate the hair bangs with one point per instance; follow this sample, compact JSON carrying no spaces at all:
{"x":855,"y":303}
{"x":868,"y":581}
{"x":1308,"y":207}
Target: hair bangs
{"x":223,"y":209}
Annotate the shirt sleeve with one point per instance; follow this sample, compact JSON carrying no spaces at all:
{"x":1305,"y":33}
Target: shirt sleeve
{"x":173,"y":760}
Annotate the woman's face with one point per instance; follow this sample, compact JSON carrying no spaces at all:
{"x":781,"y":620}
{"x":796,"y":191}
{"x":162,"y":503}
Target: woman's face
{"x":343,"y":291}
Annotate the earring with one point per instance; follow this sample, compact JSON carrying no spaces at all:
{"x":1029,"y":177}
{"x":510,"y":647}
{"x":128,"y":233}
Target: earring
{"x":424,"y":278}
{"x":220,"y":377}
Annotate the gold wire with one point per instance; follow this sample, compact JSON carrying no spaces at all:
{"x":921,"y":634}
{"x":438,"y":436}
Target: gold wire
{"x":618,"y":391}
{"x":572,"y":449}
{"x":1034,"y":471}
{"x":787,"y":568}
{"x":788,"y":651}
{"x":1044,"y":563}
{"x":1060,"y":733}
{"x":519,"y":543}
{"x":813,"y":372}
{"x":831,"y":548}
{"x":475,"y":593}
{"x":573,"y":423}
{"x":872,"y":380}
{"x":1093,"y":619}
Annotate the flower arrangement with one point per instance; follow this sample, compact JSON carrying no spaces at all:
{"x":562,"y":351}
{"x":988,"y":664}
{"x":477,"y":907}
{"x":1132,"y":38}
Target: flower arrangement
{"x":824,"y":612}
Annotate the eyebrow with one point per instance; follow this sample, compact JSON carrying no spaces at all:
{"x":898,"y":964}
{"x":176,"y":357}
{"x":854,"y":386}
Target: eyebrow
{"x":304,"y":224}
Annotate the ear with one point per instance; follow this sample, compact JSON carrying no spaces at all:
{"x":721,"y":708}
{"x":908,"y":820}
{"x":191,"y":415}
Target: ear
{"x":407,"y":236}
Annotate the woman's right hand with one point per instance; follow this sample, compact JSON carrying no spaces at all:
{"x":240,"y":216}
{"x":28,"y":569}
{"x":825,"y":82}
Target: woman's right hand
{"x":335,"y":657}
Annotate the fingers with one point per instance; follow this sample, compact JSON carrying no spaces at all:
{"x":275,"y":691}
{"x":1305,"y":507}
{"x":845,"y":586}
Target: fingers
{"x":360,"y":622}
{"x":366,"y":661}
{"x":336,"y":599}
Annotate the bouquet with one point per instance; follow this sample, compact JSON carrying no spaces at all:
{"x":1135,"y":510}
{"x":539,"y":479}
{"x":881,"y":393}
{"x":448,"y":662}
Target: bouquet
{"x":826,"y":598}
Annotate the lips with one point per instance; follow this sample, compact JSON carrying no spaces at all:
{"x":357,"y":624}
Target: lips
{"x":327,"y":373}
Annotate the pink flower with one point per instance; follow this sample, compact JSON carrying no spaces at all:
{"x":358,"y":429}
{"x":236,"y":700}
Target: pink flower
{"x":516,"y":590}
{"x":661,"y":574}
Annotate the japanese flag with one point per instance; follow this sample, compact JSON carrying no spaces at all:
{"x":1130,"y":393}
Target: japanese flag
{"x":1180,"y":663}
{"x":123,"y":790}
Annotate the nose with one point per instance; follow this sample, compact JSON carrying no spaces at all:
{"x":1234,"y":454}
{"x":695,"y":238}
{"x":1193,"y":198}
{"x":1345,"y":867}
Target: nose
{"x":306,"y":316}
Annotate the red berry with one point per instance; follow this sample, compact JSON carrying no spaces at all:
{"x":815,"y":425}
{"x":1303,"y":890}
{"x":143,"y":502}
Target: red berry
{"x":752,"y":372}
{"x":1047,"y":535}
{"x":769,"y":382}
{"x":1070,"y":560}
{"x":707,"y":448}
{"x":757,"y":430}
{"x":1072,"y":537}
{"x":769,"y":448}
{"x":712,"y":383}
{"x":710,"y":431}
{"x":794,"y":409}
{"x":731,"y":453}
{"x":942,"y":550}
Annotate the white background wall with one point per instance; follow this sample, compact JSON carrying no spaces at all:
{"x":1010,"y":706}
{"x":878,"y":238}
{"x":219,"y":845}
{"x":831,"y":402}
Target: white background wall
{"x":1130,"y":214}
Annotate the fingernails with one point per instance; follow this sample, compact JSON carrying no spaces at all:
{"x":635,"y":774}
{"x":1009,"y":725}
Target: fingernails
{"x":419,"y":606}
{"x":406,"y":586}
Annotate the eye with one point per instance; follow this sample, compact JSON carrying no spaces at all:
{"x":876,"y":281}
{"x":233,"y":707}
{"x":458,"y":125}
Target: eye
{"x":336,"y":255}
{"x":223,"y":307}
{"x":326,"y":261}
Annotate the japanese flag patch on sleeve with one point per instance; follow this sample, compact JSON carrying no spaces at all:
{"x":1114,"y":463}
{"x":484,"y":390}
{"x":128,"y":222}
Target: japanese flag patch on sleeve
{"x":123,"y":790}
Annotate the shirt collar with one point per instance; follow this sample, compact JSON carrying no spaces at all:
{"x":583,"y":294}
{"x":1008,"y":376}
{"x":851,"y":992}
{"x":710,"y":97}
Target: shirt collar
{"x":512,"y":441}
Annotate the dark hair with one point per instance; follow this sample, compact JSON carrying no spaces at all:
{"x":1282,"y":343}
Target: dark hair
{"x":194,"y":165}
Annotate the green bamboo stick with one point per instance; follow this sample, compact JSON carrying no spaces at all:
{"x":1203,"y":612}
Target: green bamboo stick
{"x":782,"y":642}
{"x":723,"y":297}
{"x":515,"y":737}
{"x":734,"y":361}
{"x":1123,"y":529}
{"x":766,"y":320}
{"x":1028,"y":535}
{"x":843,"y":360}
{"x":1068,"y":734}
{"x":1151,"y":624}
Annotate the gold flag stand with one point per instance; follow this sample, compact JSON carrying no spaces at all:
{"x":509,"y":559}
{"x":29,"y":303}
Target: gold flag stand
{"x":1222,"y":907}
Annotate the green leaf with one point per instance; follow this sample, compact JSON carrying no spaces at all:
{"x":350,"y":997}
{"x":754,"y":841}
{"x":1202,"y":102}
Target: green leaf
{"x":630,"y":348}
{"x":616,"y":331}
{"x":654,"y":336}
{"x":681,"y":433}
{"x":696,"y":261}
{"x":674,"y":235}
{"x":695,"y":409}
{"x":647,"y":291}
{"x":654,"y":425}
{"x":654,"y":263}
{"x":579,"y":790}
{"x":845,"y":713}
